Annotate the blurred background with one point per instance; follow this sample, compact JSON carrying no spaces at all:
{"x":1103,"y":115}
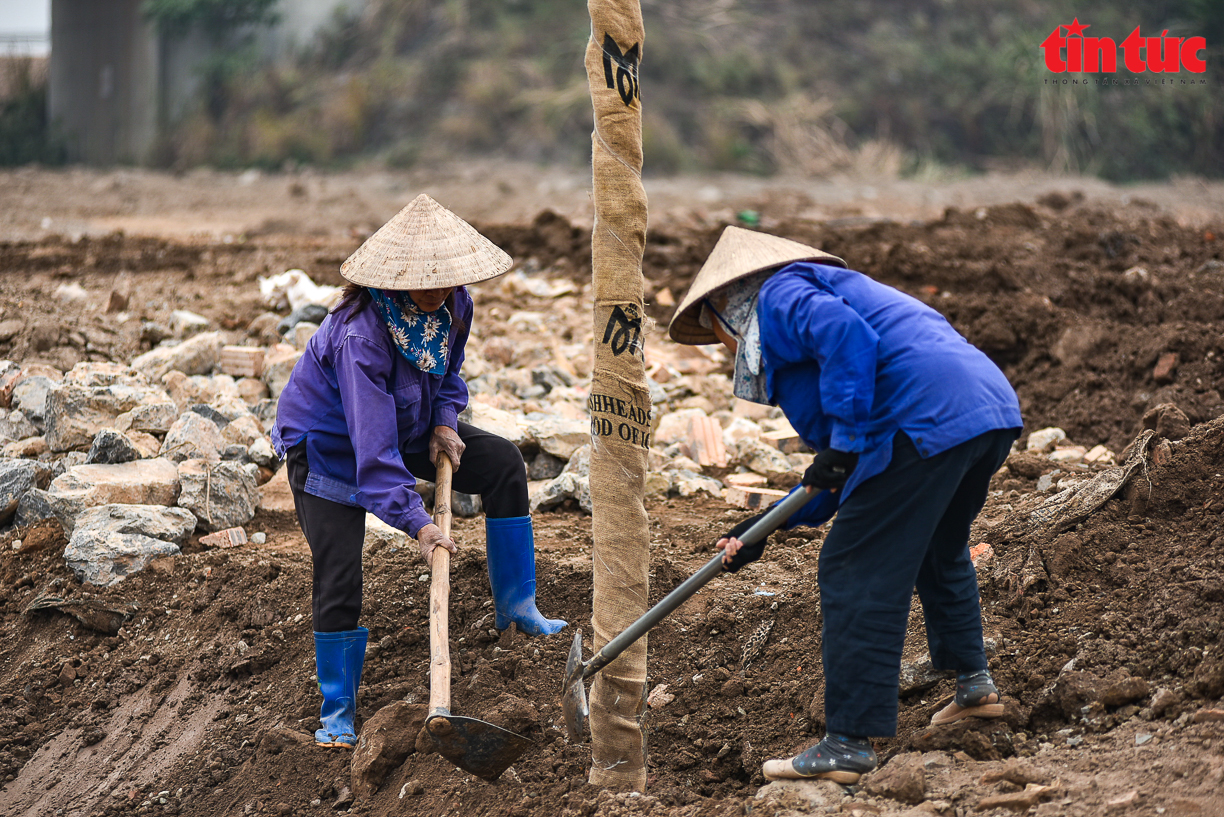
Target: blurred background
{"x":906,"y":88}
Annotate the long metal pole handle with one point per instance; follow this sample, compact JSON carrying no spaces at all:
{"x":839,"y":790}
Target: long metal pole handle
{"x":766,"y":525}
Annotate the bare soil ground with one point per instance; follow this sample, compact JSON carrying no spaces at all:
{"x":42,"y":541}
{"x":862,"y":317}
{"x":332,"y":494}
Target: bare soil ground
{"x":1107,"y":637}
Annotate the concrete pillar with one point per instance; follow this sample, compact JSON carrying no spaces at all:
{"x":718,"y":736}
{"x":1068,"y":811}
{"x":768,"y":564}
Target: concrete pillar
{"x":103,"y":80}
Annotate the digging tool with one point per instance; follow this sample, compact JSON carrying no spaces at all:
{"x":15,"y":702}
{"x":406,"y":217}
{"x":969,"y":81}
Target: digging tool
{"x":573,"y":700}
{"x":473,"y":745}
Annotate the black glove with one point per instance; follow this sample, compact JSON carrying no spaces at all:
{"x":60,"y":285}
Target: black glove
{"x":747,"y":553}
{"x":830,"y":469}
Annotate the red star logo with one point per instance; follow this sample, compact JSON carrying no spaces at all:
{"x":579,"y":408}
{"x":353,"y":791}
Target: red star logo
{"x":1075,"y":28}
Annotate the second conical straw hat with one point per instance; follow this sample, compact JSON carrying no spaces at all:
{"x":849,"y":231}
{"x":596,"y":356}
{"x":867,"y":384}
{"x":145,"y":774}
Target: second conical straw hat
{"x":425,"y":246}
{"x":738,"y":254}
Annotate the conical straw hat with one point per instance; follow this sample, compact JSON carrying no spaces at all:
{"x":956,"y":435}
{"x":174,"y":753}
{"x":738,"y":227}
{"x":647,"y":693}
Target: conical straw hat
{"x":425,"y":246}
{"x":738,"y":254}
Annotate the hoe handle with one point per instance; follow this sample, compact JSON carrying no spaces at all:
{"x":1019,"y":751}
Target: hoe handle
{"x":767,"y":524}
{"x":439,"y":598}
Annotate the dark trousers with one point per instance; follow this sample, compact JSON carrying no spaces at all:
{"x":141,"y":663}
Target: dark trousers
{"x":491,"y":466}
{"x":906,"y":527}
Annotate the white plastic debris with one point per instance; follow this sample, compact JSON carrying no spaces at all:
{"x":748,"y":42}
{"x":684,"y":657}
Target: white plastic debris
{"x":294,"y":289}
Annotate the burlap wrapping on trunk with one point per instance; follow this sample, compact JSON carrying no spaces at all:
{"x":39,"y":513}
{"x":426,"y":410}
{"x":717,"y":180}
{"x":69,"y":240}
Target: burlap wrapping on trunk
{"x":619,"y":401}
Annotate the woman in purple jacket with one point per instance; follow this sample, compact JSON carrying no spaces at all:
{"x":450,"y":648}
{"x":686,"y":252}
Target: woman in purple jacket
{"x":369,"y":407}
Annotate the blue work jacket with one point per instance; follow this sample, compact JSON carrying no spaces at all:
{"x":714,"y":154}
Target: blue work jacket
{"x":851,"y":362}
{"x":358,"y":403}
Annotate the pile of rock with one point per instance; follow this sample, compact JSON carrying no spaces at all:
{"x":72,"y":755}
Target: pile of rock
{"x":687,"y":444}
{"x":132,"y":459}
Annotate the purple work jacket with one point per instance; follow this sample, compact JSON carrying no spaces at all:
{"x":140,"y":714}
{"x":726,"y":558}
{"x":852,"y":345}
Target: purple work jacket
{"x":358,"y":403}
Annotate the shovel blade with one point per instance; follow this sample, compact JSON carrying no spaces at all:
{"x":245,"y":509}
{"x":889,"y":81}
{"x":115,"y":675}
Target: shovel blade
{"x":478,"y":747}
{"x":573,"y":697}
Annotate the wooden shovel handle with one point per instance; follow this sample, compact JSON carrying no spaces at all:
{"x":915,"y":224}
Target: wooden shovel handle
{"x":439,"y":597}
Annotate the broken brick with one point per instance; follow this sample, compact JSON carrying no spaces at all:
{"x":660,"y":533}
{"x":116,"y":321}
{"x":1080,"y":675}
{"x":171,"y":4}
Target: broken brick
{"x":753,"y":498}
{"x":242,"y":361}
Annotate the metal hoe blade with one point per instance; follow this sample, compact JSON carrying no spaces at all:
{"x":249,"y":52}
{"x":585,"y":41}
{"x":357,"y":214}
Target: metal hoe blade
{"x":573,"y":698}
{"x":474,"y":745}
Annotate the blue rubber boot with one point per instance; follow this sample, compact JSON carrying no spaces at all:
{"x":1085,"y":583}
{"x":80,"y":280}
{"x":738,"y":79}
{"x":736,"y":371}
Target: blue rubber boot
{"x":511,"y":555}
{"x":339,"y":658}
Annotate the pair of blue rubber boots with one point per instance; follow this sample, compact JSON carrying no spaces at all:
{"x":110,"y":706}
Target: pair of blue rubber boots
{"x":339,"y":657}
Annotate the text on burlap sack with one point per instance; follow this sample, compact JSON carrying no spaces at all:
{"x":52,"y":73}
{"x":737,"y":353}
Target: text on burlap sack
{"x":619,"y":419}
{"x":623,"y":331}
{"x":624,"y":80}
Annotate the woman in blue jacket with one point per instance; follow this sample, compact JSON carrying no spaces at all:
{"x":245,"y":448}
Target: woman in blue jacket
{"x":370,"y":405}
{"x":910,"y":422}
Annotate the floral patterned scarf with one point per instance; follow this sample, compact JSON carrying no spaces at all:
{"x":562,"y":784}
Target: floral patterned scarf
{"x":420,"y":336}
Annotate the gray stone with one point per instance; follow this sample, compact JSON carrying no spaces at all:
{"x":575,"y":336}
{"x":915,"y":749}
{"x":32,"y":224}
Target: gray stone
{"x":251,"y":390}
{"x":502,"y":423}
{"x":78,"y":408}
{"x":1043,"y":440}
{"x":221,"y":495}
{"x":309,"y":313}
{"x":658,"y":484}
{"x":110,"y":446}
{"x":545,"y":466}
{"x":36,"y":505}
{"x":466,"y":505}
{"x":209,"y":413}
{"x":243,"y":431}
{"x":261,"y":453}
{"x":193,"y":437}
{"x":188,"y":390}
{"x":153,"y":333}
{"x":30,"y":396}
{"x":14,"y":426}
{"x":199,"y":355}
{"x":760,"y":458}
{"x":263,"y":328}
{"x":111,"y":542}
{"x":150,"y":418}
{"x":551,"y":378}
{"x":573,"y":482}
{"x":688,"y":483}
{"x":559,"y":436}
{"x":28,"y":449}
{"x":140,"y":482}
{"x":278,"y":365}
{"x":265,"y":412}
{"x":920,"y":675}
{"x":67,"y":462}
{"x":17,"y":477}
{"x":100,"y":375}
{"x":378,"y":534}
{"x":184,"y":323}
{"x":302,"y":333}
{"x":234,"y":452}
